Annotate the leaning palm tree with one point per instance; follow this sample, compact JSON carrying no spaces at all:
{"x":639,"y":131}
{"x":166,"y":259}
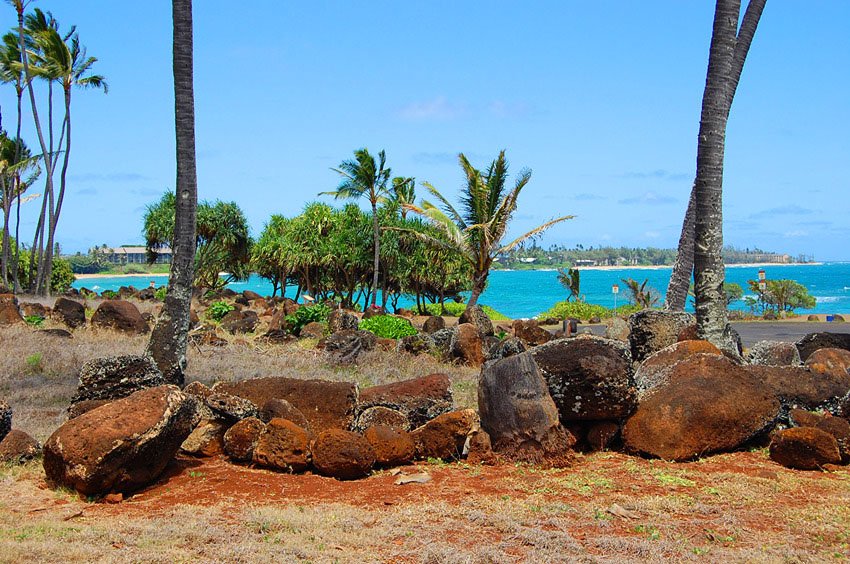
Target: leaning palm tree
{"x":170,"y":336}
{"x":487,"y":209}
{"x":365,"y":177}
{"x":404,"y":192}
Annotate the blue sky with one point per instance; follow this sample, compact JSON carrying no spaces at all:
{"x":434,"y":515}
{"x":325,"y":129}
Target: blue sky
{"x":600,"y":99}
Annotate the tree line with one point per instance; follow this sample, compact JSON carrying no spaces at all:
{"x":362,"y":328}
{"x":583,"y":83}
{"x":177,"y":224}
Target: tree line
{"x":44,"y":62}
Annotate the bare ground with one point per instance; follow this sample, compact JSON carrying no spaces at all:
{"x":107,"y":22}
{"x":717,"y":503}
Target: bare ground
{"x":608,"y":507}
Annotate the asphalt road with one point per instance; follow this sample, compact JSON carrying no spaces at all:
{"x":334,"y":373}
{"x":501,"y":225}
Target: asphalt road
{"x":754,"y":331}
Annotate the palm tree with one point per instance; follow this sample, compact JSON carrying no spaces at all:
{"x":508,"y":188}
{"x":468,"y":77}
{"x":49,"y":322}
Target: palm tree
{"x":18,"y":171}
{"x":404,"y":192}
{"x":677,"y":290}
{"x":66,"y":60}
{"x":365,"y":177}
{"x":169,"y":338}
{"x":487,"y":209}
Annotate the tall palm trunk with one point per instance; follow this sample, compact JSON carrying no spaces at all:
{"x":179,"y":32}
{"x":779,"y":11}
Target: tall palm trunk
{"x":54,"y":222}
{"x":712,"y":323}
{"x":677,"y":290}
{"x":377,"y":237}
{"x":478,"y":285}
{"x":169,"y":338}
{"x":19,"y":91}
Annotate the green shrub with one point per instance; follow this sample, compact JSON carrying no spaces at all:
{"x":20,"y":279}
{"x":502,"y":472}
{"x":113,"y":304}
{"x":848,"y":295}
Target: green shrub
{"x":388,"y":327}
{"x":34,"y":320}
{"x":109,"y":294}
{"x":218,"y":310}
{"x":307,"y":314}
{"x":584,"y":311}
{"x":454,"y":309}
{"x":160,"y":292}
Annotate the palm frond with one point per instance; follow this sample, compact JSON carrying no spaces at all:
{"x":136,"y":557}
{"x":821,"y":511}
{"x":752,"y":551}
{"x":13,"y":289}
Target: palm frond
{"x":536,"y":231}
{"x":447,"y":207}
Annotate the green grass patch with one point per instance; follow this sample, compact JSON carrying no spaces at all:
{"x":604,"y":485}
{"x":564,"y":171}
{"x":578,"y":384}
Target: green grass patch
{"x":454,"y":309}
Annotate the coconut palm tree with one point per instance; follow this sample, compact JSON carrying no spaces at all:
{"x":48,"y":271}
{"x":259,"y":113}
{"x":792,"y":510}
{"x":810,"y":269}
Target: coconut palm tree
{"x":404,"y":192}
{"x":488,"y":205}
{"x":18,"y":171}
{"x":677,"y":290}
{"x":361,"y":177}
{"x":169,"y":338}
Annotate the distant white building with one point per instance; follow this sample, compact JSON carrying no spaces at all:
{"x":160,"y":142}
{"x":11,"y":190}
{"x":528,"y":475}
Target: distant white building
{"x":134,"y":254}
{"x":527,"y":260}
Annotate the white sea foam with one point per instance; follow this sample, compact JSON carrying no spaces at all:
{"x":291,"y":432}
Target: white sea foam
{"x":828,"y":299}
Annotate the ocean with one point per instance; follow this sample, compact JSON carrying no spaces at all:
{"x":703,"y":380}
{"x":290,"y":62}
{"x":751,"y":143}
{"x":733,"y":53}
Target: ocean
{"x":526,"y":293}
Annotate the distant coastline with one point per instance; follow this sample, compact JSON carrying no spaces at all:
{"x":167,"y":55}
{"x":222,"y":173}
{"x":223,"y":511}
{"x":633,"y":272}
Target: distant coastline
{"x":665,"y":266}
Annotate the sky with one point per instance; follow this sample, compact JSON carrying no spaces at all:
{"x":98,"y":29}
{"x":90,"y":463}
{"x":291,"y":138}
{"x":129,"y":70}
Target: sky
{"x":601,"y":100}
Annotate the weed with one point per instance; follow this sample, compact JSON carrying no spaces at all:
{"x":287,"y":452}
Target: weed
{"x":35,"y":363}
{"x":34,"y":320}
{"x":671,"y":480}
{"x":218,"y":310}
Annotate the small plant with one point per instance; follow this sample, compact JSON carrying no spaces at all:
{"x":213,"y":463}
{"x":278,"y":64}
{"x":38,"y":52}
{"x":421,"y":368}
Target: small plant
{"x":454,"y":309}
{"x":35,"y":363}
{"x":218,"y":310}
{"x":388,"y":327}
{"x":160,"y":292}
{"x":34,"y":320}
{"x":109,"y":294}
{"x":307,"y":314}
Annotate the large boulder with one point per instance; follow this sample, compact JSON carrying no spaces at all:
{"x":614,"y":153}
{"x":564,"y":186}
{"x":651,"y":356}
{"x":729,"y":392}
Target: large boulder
{"x":122,"y":446}
{"x":348,"y":344}
{"x":5,"y":419}
{"x":241,"y":439}
{"x":207,"y":439}
{"x":236,"y":321}
{"x":342,"y":454}
{"x":420,"y":343}
{"x":589,"y":378}
{"x":466,"y":345}
{"x":116,"y":377}
{"x":804,"y":448}
{"x":650,"y":330}
{"x":518,"y":413}
{"x":381,"y":416}
{"x":509,"y":346}
{"x":434,"y":323}
{"x":814,"y":341}
{"x":342,"y":320}
{"x":283,"y":445}
{"x":835,"y":361}
{"x":18,"y":447}
{"x":655,"y":370}
{"x":530,"y":332}
{"x":120,"y":315}
{"x":443,"y":339}
{"x":445,"y":436}
{"x":419,"y":399}
{"x":9,"y":312}
{"x":277,"y":407}
{"x":476,"y":316}
{"x":774,"y":353}
{"x":326,"y":405}
{"x":708,"y":404}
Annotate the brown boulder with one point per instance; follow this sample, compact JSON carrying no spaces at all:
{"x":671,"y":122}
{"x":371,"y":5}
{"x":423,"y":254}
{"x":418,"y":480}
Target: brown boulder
{"x":650,"y":330}
{"x":392,"y":447}
{"x":240,"y":321}
{"x":69,"y":312}
{"x":5,"y":419}
{"x":241,"y":438}
{"x":77,"y":409}
{"x":801,"y":387}
{"x":814,"y":341}
{"x":434,"y":323}
{"x":33,"y":309}
{"x":283,"y":445}
{"x":313,"y":330}
{"x":341,"y":320}
{"x":207,"y":439}
{"x":589,"y":378}
{"x":530,"y":333}
{"x":9,"y":313}
{"x":774,"y":353}
{"x":380,"y":415}
{"x":466,"y":345}
{"x":120,"y":315}
{"x":121,"y":446}
{"x":481,"y":449}
{"x":804,"y":448}
{"x":18,"y":447}
{"x":708,"y":404}
{"x":656,"y":368}
{"x":829,"y":360}
{"x":518,"y":413}
{"x":342,"y":454}
{"x":476,"y":316}
{"x":419,"y":399}
{"x":326,"y":405}
{"x":445,"y":436}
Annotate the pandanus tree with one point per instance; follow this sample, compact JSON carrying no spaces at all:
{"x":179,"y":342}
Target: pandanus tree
{"x":170,"y":335}
{"x":366,"y":177}
{"x":729,"y":62}
{"x":487,"y":205}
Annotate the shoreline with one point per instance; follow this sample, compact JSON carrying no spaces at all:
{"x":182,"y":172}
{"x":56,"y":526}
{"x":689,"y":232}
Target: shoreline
{"x":661,"y":266}
{"x":100,"y":275}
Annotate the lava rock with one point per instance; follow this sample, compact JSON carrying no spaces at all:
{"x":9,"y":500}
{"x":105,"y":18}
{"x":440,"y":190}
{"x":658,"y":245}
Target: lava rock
{"x":655,"y":370}
{"x":421,"y":343}
{"x":207,"y":439}
{"x":814,"y":341}
{"x":341,"y":320}
{"x":9,"y":312}
{"x":231,"y":408}
{"x":18,"y":447}
{"x":244,"y":321}
{"x":116,"y":377}
{"x":800,"y":387}
{"x":418,"y":400}
{"x":434,"y":323}
{"x":241,"y":439}
{"x":530,"y":333}
{"x":467,"y":346}
{"x":384,"y":416}
{"x":280,"y":408}
{"x":5,"y":419}
{"x":476,"y":316}
{"x":774,"y":353}
{"x":119,"y":315}
{"x":348,"y":344}
{"x":518,"y":413}
{"x":589,"y":378}
{"x":804,"y":448}
{"x":122,"y":446}
{"x":283,"y":445}
{"x":509,"y":346}
{"x":342,"y":454}
{"x":313,"y":330}
{"x":650,"y":330}
{"x":392,"y":447}
{"x":445,"y":436}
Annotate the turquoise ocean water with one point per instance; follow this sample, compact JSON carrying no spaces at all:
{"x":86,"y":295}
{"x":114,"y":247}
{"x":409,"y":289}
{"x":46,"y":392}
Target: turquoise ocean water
{"x":526,"y":293}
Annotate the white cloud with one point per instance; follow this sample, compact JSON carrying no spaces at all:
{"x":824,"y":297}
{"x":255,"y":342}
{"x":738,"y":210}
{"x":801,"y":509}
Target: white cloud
{"x":437,"y":108}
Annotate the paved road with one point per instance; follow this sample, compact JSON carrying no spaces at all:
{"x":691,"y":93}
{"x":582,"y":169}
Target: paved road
{"x":754,"y":331}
